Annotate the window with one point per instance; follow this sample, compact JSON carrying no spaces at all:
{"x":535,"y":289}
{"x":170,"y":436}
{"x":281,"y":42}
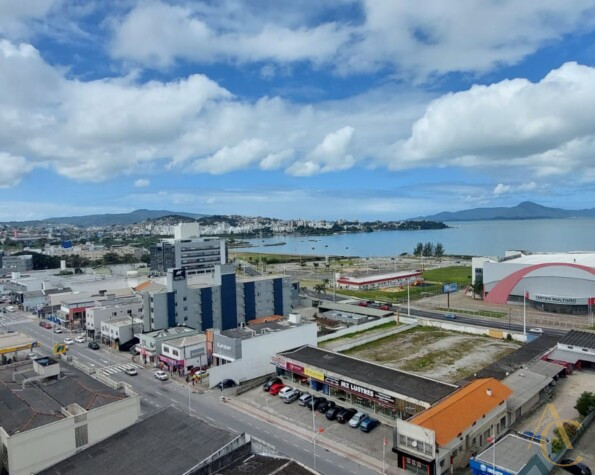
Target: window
{"x":184,"y":299}
{"x":175,"y":352}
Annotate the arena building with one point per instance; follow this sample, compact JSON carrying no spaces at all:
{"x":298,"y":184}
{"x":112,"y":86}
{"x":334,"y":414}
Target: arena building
{"x":553,"y":282}
{"x":373,"y":282}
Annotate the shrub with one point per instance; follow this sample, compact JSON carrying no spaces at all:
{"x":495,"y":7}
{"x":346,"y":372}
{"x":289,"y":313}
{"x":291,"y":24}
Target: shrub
{"x":585,"y":404}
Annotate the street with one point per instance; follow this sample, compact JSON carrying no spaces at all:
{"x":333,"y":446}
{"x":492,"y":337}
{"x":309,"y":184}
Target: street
{"x":156,"y":395}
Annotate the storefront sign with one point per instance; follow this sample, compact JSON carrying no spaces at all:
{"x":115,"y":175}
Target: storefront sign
{"x":559,"y":300}
{"x":360,"y":390}
{"x":179,"y":274}
{"x":279,"y":361}
{"x":314,"y":374}
{"x":295,"y":368}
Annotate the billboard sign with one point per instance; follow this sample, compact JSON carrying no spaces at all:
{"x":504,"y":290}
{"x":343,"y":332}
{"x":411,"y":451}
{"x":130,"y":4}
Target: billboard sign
{"x":450,"y":288}
{"x":360,"y":390}
{"x":179,"y":274}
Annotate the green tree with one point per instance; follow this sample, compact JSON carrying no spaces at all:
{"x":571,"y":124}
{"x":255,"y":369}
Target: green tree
{"x":41,"y":261}
{"x":418,"y":249}
{"x":428,"y":249}
{"x":477,"y":288}
{"x":320,"y":288}
{"x":439,"y":250}
{"x":585,"y":404}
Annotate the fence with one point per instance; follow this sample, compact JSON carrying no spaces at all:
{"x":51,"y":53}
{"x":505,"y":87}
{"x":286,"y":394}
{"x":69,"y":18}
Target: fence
{"x":364,"y":326}
{"x":584,"y":426}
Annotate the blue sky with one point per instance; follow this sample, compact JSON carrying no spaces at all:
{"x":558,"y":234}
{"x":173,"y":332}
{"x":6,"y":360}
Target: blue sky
{"x":361,"y":109}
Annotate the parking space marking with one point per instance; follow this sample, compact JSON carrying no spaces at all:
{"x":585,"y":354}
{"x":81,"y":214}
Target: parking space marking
{"x":233,"y":430}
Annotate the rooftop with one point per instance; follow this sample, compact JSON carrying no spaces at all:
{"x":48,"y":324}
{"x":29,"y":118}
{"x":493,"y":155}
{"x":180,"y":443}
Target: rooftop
{"x":524,"y":384}
{"x":122,"y":321}
{"x":584,"y":339}
{"x":168,"y":442}
{"x":371,"y":279}
{"x":15,"y":340}
{"x":41,"y":402}
{"x":512,"y":453}
{"x":569,"y":356}
{"x":461,"y":409}
{"x":356,"y":309}
{"x":251,"y":331}
{"x":399,"y":382}
{"x":187,"y":340}
{"x":581,"y":258}
{"x":546,"y":368}
{"x":264,"y":465}
{"x":170,"y":332}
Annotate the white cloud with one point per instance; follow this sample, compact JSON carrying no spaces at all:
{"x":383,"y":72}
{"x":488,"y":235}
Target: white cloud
{"x":545,"y":127}
{"x":228,"y":159}
{"x":12,"y":169}
{"x":434,"y":37}
{"x":142,"y":183}
{"x":15,"y":15}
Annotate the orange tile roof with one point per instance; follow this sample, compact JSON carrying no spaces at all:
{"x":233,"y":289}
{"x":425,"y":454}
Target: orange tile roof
{"x":462,"y":408}
{"x":142,"y":286}
{"x":271,"y":318}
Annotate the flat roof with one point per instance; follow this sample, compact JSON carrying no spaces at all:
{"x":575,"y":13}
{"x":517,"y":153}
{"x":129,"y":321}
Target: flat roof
{"x":167,"y":442}
{"x":13,"y":340}
{"x":187,"y":340}
{"x":584,"y":339}
{"x":462,"y":408}
{"x":372,"y":279}
{"x":569,"y":356}
{"x":399,"y":382}
{"x":169,"y":332}
{"x":582,"y":258}
{"x":355,"y":309}
{"x":252,"y":331}
{"x":546,"y":368}
{"x":265,"y":465}
{"x":40,"y":404}
{"x":524,"y":384}
{"x":122,"y":321}
{"x":522,"y":356}
{"x":512,"y":453}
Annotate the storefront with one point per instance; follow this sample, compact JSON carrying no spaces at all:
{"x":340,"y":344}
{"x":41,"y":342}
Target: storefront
{"x":369,"y":387}
{"x":171,"y":365}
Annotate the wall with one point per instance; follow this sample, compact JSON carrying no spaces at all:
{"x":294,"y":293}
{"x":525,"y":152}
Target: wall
{"x":96,"y":315}
{"x":467,"y":328}
{"x":362,"y":341}
{"x":364,"y":326}
{"x":257,"y":353}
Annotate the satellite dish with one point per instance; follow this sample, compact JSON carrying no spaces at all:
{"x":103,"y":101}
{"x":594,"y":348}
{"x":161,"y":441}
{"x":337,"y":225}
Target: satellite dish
{"x":414,"y":443}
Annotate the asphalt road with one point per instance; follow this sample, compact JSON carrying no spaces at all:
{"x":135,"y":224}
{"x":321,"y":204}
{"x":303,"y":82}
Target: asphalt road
{"x":156,"y":395}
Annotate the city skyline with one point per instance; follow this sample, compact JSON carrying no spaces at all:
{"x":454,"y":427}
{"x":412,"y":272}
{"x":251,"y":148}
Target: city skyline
{"x":371,"y":109}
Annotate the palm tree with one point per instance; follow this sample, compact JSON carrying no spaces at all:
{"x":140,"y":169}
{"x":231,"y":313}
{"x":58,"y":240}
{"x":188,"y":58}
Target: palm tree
{"x":477,"y":288}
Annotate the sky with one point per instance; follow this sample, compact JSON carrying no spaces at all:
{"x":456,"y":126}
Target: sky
{"x":356,"y":109}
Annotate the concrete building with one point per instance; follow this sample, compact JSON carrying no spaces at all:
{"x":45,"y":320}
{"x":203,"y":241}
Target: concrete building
{"x":185,"y":354}
{"x":47,"y":416}
{"x":188,"y":251}
{"x":528,"y":390}
{"x":376,"y":389}
{"x":119,"y":332}
{"x":245,"y":352}
{"x":373,"y":282}
{"x":22,"y":263}
{"x":150,"y":343}
{"x":576,"y":350}
{"x":443,"y":437}
{"x":553,"y":282}
{"x":511,"y":455}
{"x":224,"y":303}
{"x":126,"y":307}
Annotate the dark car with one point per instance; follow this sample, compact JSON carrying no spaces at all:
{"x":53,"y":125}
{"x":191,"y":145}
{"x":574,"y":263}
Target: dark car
{"x":368,"y":424}
{"x":326,"y":406}
{"x":345,"y":415}
{"x":331,"y":414}
{"x":316,"y":402}
{"x":226,"y":383}
{"x":579,"y":468}
{"x":267,"y":386}
{"x":93,"y":345}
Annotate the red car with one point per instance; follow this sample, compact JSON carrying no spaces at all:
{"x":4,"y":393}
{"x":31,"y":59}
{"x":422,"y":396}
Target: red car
{"x":45,"y":324}
{"x":276,"y":388}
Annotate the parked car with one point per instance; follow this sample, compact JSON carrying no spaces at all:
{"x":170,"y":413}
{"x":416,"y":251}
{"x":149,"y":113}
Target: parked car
{"x":579,"y":468}
{"x":267,"y":386}
{"x":305,"y":399}
{"x":68,"y":341}
{"x":93,"y":345}
{"x":537,"y":331}
{"x":357,"y":419}
{"x":131,"y":371}
{"x":276,"y":389}
{"x":32,"y":356}
{"x":325,"y":406}
{"x":450,"y":316}
{"x":331,"y":414}
{"x":292,"y":396}
{"x":316,"y":402}
{"x":57,"y":330}
{"x":161,"y":375}
{"x":368,"y":424}
{"x":345,"y":415}
{"x":80,"y":339}
{"x":226,"y":383}
{"x":285,"y":390}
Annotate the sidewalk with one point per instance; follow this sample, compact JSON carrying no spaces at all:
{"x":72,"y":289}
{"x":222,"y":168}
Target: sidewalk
{"x":360,"y":458}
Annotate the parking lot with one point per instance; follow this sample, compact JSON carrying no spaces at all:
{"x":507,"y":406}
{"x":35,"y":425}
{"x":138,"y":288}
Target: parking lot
{"x":369,"y":443}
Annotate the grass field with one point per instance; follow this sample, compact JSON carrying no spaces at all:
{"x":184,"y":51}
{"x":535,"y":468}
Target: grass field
{"x":380,"y":295}
{"x":256,"y":257}
{"x":379,"y":328}
{"x":478,"y":313}
{"x":459,"y":274}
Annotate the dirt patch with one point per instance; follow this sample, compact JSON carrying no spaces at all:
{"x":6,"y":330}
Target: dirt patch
{"x":435,"y":353}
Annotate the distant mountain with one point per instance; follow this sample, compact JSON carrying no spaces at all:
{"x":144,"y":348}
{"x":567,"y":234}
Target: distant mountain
{"x":137,"y":216}
{"x":524,"y":210}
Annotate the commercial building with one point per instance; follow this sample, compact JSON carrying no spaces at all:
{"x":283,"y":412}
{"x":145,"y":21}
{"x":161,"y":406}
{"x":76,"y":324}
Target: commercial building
{"x":188,"y":251}
{"x":127,"y":307}
{"x":373,"y":282}
{"x":150,"y":344}
{"x":12,"y":343}
{"x":528,"y":390}
{"x":173,"y":442}
{"x":377,"y":389}
{"x":553,"y":282}
{"x":245,"y":352}
{"x":119,"y":332}
{"x":443,"y":437}
{"x":47,"y":416}
{"x":185,"y":354}
{"x":511,"y":455}
{"x":224,"y":303}
{"x":576,"y":350}
{"x":22,"y":263}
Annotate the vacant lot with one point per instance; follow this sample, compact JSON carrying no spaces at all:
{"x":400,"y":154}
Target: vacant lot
{"x":435,"y":353}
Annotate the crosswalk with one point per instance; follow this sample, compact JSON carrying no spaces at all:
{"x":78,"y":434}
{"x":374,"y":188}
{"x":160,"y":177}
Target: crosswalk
{"x":7,"y":321}
{"x":115,"y":369}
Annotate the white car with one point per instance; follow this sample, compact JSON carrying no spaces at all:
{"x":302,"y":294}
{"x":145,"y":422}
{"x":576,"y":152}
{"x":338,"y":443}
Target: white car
{"x":538,"y":331}
{"x":57,"y":330}
{"x":161,"y":375}
{"x":68,"y":341}
{"x":285,"y":391}
{"x":80,"y":339}
{"x":357,"y":419}
{"x":133,"y":372}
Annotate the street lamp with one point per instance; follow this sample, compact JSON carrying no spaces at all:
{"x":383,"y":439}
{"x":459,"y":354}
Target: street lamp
{"x":266,"y":400}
